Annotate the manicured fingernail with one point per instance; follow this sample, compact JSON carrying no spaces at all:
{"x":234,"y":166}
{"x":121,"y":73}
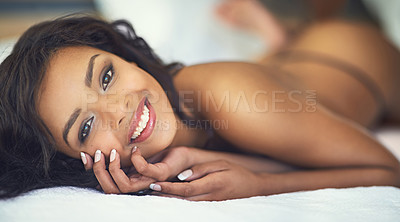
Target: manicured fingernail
{"x":83,"y":158}
{"x":185,"y":174}
{"x":97,"y":156}
{"x":134,"y":149}
{"x":112,"y":155}
{"x":155,"y":187}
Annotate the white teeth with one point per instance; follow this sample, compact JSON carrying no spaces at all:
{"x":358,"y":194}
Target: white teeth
{"x":144,"y":118}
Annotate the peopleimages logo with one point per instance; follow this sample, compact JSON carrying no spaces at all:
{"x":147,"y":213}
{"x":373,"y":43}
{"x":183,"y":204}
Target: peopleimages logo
{"x":215,"y":101}
{"x":198,"y":103}
{"x":241,"y":101}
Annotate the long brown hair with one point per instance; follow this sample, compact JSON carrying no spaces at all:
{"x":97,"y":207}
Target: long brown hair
{"x":28,"y":158}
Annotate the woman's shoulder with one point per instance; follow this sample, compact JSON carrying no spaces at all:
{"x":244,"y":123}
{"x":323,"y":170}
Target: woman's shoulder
{"x":215,"y":89}
{"x":218,"y":74}
{"x":208,"y":69}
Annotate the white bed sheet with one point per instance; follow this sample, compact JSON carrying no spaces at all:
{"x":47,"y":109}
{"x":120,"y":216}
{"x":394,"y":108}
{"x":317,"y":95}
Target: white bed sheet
{"x":363,"y":204}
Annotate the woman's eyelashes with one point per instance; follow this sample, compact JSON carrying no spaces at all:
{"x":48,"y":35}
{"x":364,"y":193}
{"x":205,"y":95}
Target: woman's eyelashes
{"x":105,"y":80}
{"x":85,"y":130}
{"x":107,"y":77}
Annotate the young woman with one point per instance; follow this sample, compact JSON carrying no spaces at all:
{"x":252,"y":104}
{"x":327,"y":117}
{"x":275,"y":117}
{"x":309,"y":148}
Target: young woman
{"x":79,"y":89}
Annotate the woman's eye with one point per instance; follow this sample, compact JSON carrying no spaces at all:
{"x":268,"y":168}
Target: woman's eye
{"x":85,"y":130}
{"x":107,"y":77}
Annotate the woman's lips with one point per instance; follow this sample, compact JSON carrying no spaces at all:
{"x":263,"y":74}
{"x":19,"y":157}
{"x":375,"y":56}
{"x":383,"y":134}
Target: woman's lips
{"x":146,"y":132}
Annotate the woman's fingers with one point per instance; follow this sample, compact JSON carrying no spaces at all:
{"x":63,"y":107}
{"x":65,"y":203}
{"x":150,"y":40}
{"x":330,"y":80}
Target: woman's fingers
{"x":170,"y":162}
{"x":124,"y":183}
{"x":114,"y":180}
{"x":187,"y":189}
{"x":87,"y":161}
{"x":197,"y":188}
{"x":202,"y":169}
{"x":201,"y":197}
{"x":102,"y":175}
{"x":159,"y":171}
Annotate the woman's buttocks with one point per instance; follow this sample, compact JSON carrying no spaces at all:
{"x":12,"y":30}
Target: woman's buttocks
{"x":359,"y":46}
{"x":336,"y":90}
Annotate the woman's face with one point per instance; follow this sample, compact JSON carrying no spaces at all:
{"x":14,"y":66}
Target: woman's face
{"x":91,"y":99}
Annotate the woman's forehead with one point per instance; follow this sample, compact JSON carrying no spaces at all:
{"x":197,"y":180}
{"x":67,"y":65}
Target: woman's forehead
{"x":66,"y":71}
{"x":74,"y":53}
{"x":69,"y":65}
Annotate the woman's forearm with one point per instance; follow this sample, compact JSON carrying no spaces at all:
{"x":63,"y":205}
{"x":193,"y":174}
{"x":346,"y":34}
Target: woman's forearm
{"x":328,"y":178}
{"x":255,"y":164}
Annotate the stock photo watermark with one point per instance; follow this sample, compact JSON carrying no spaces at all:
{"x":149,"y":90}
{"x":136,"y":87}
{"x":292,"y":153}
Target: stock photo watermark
{"x":199,"y":102}
{"x":260,"y":101}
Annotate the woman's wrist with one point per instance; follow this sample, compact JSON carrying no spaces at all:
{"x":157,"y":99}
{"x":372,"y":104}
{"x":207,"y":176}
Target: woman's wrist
{"x":267,"y":184}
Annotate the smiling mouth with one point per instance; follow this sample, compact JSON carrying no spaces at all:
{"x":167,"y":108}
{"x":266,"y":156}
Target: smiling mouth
{"x":144,"y":119}
{"x":142,"y":124}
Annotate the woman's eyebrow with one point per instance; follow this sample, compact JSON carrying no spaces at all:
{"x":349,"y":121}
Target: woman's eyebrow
{"x":77,"y":112}
{"x":70,"y":123}
{"x":89,"y":71}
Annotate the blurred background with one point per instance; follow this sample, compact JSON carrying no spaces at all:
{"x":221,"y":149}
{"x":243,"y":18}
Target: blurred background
{"x":190,"y":31}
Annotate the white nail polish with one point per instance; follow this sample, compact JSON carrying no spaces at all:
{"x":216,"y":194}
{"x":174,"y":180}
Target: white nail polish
{"x":112,"y":155}
{"x":97,"y":156}
{"x":185,"y":174}
{"x":83,"y":158}
{"x":155,"y":187}
{"x":134,"y":149}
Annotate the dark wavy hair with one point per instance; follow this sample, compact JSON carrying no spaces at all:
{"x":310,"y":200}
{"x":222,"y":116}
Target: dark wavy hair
{"x":28,"y":158}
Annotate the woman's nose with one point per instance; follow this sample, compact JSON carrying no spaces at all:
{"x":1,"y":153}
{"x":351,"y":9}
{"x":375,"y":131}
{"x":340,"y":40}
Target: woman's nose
{"x":113,"y":113}
{"x":114,"y":121}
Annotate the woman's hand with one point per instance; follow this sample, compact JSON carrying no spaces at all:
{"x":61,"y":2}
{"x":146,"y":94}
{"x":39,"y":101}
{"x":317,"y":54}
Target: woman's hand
{"x":168,"y":164}
{"x":217,"y":180}
{"x":208,"y":177}
{"x":165,"y":165}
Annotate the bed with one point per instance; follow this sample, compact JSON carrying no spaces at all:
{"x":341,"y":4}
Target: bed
{"x":76,"y":204}
{"x":364,"y":204}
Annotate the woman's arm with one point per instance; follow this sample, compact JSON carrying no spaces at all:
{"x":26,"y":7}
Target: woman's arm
{"x":255,"y":164}
{"x":336,"y":151}
{"x":221,"y":180}
{"x":328,"y":178}
{"x":287,"y":131}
